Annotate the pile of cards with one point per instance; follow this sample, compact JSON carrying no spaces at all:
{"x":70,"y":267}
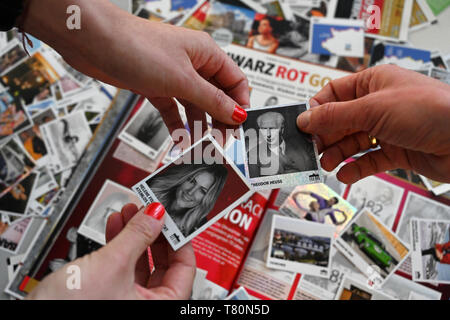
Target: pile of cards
{"x":48,"y":113}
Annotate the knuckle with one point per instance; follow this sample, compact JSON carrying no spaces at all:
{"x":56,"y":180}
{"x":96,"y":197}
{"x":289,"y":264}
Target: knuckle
{"x":141,"y":229}
{"x":204,"y":37}
{"x":219,"y":99}
{"x":326,"y":114}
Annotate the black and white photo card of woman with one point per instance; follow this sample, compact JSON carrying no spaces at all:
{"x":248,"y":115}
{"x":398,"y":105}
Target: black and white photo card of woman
{"x":196,"y":189}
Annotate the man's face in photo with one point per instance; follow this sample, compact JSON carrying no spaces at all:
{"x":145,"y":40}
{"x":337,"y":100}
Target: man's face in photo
{"x":271,"y":127}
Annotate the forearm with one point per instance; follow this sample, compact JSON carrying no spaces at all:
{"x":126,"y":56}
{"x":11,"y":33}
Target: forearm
{"x":47,"y":21}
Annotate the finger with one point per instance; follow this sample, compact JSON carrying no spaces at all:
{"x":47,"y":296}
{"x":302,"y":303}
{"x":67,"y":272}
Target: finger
{"x":369,"y":164}
{"x":344,"y":89}
{"x":214,"y":101}
{"x":139,"y":233}
{"x":178,"y":279}
{"x":128,"y":211}
{"x":344,"y":149}
{"x":168,"y":110}
{"x":222,"y":132}
{"x":114,"y":225}
{"x":196,"y":119}
{"x":342,"y":117}
{"x":226,"y":75}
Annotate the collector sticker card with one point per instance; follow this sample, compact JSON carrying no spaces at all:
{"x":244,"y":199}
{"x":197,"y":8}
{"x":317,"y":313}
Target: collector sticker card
{"x":197,"y":189}
{"x":341,"y":37}
{"x":378,"y":196}
{"x":13,"y":116}
{"x":352,"y":289}
{"x":146,"y":131}
{"x":111,"y":198}
{"x":15,"y":165}
{"x":65,"y":140}
{"x":300,"y":246}
{"x":372,"y":248}
{"x":319,"y":203}
{"x":430,"y":243}
{"x":277,"y":154}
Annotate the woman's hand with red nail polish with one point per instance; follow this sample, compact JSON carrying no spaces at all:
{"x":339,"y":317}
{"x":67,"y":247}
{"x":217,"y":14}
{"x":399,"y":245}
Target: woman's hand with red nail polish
{"x":120,"y":270}
{"x":160,"y":61}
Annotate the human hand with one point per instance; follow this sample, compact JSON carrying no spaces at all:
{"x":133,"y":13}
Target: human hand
{"x":407,"y":112}
{"x":156,"y":60}
{"x":120,"y":269}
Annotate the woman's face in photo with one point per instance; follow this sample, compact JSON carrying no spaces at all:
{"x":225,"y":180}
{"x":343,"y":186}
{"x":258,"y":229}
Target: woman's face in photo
{"x":264,"y":27}
{"x":192,"y":191}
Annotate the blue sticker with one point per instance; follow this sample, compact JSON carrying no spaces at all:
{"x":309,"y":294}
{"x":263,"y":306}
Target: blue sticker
{"x":402,"y":52}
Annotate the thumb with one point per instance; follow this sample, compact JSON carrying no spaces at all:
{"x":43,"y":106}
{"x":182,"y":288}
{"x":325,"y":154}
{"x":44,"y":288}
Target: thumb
{"x":215,"y":101}
{"x":140,"y":232}
{"x":349,"y":116}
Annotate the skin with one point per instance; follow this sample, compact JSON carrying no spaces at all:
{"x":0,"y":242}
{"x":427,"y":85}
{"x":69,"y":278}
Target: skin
{"x":406,"y":111}
{"x":127,"y":276}
{"x":191,"y":192}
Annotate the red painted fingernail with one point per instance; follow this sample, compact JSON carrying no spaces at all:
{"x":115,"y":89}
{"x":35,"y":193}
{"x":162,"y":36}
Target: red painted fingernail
{"x":155,"y":210}
{"x":239,"y":114}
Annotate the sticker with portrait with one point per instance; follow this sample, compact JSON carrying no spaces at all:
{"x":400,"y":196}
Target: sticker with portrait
{"x":65,"y":140}
{"x":430,"y":243}
{"x":16,"y":201}
{"x":341,"y":37}
{"x":15,"y":165}
{"x":13,"y":116}
{"x":12,"y":233}
{"x":31,"y":138}
{"x":146,"y":131}
{"x":417,"y":206}
{"x":372,"y":248}
{"x":111,"y":198}
{"x":277,"y":154}
{"x":300,"y":246}
{"x":31,"y":80}
{"x":197,"y":189}
{"x":319,"y":203}
{"x":11,"y":55}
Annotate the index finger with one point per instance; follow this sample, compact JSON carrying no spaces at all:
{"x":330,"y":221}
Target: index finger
{"x":223,"y":72}
{"x":179,"y":276}
{"x":343,"y":89}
